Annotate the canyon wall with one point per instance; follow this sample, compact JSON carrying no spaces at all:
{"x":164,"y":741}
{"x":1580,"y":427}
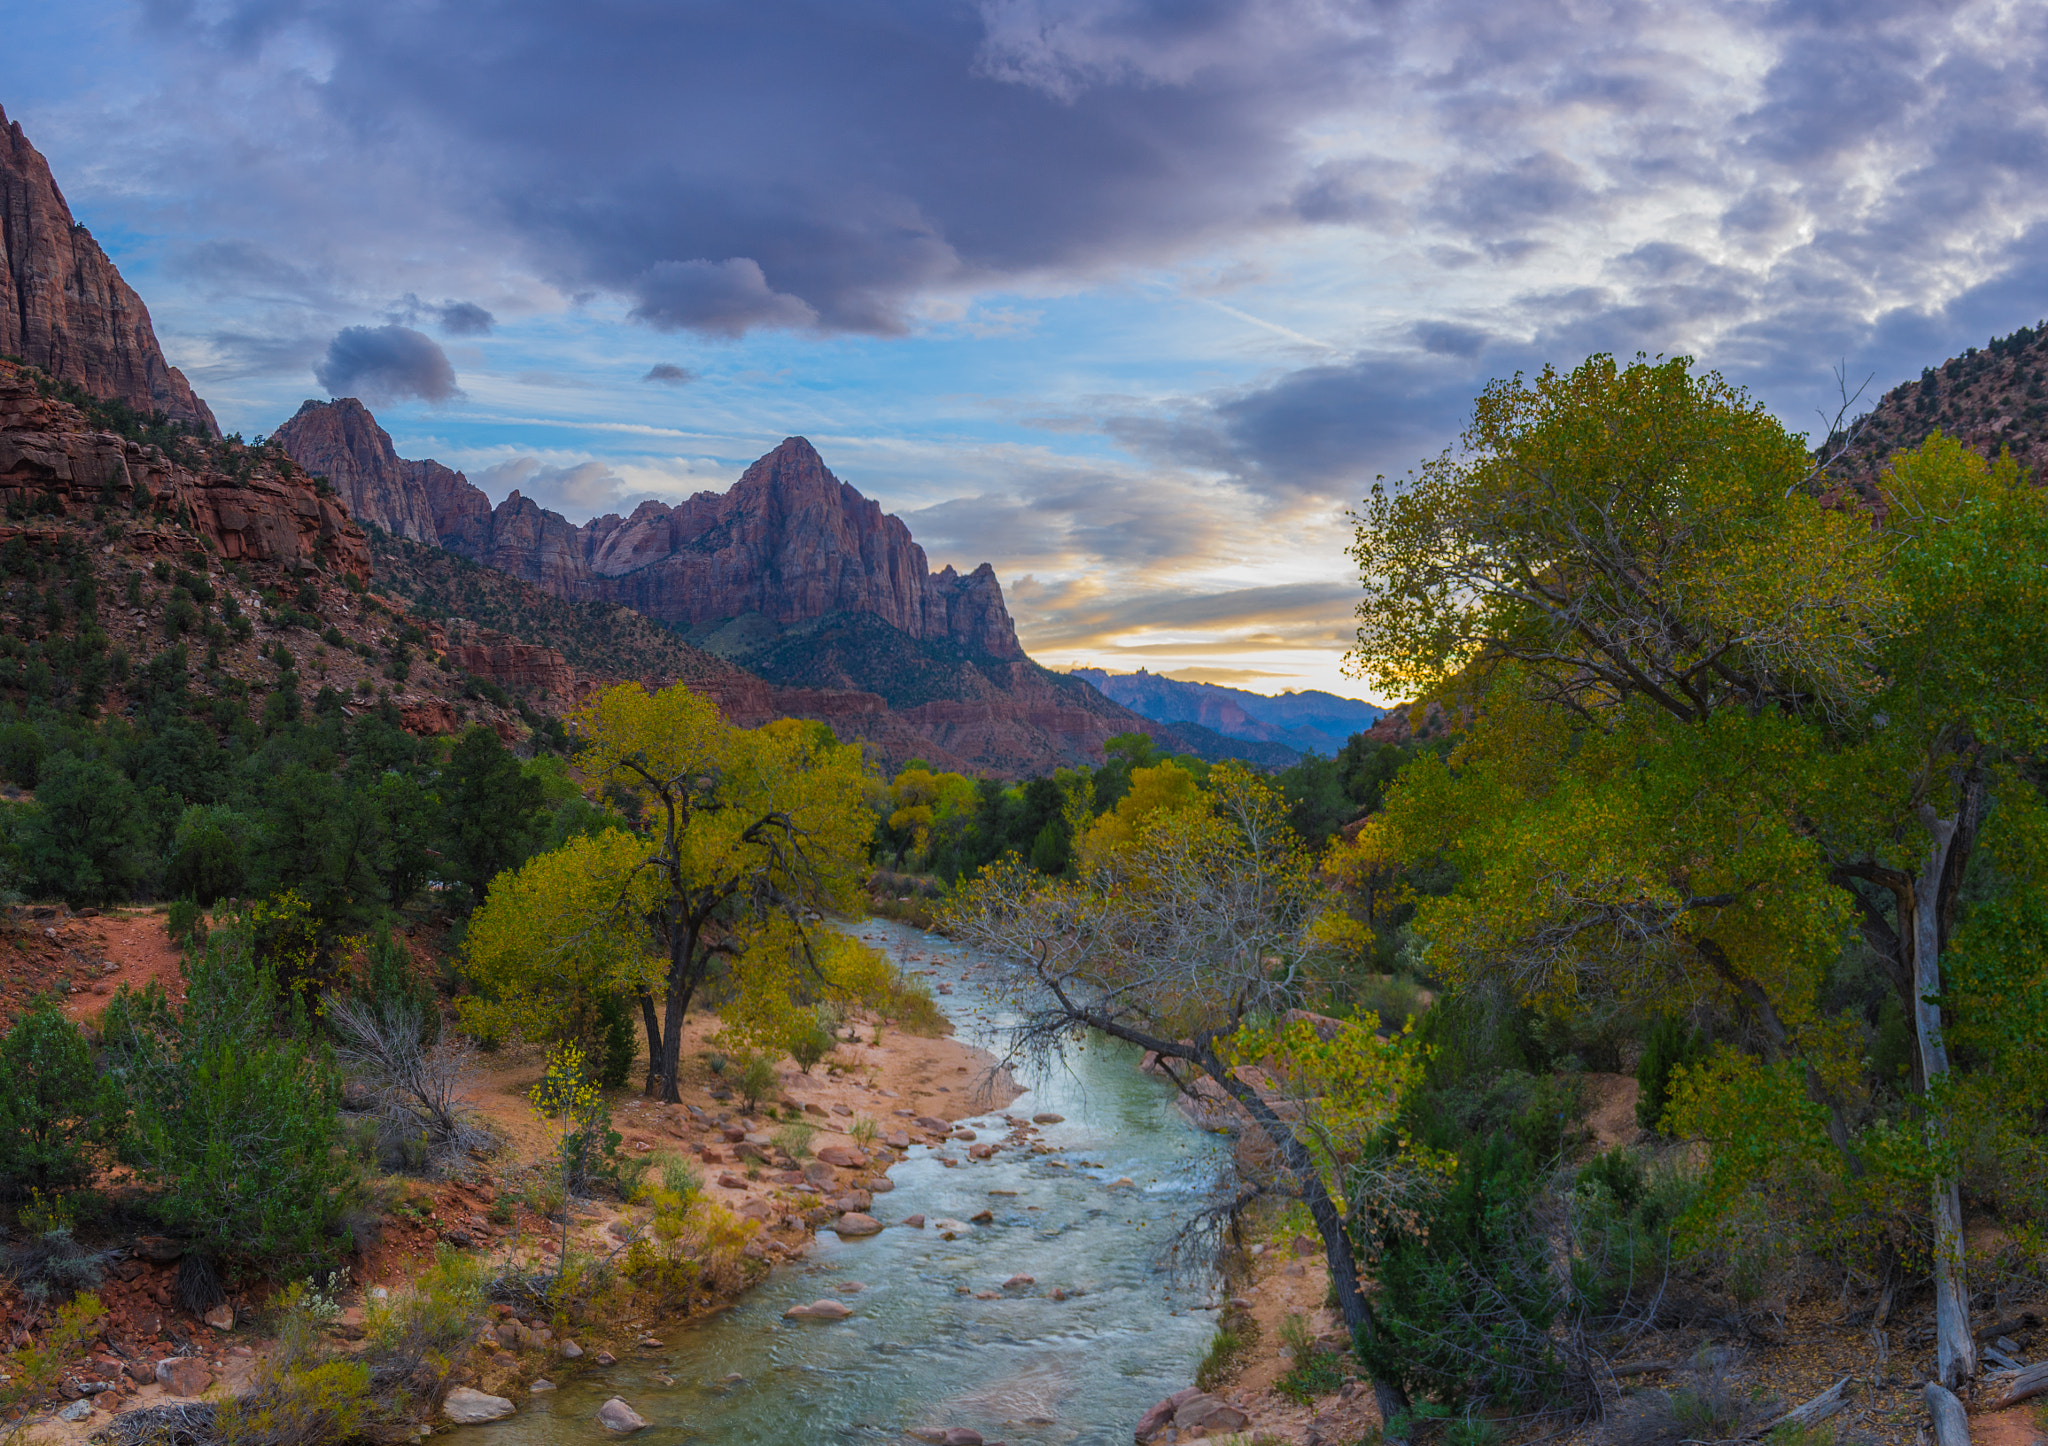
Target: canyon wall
{"x":63,"y":306}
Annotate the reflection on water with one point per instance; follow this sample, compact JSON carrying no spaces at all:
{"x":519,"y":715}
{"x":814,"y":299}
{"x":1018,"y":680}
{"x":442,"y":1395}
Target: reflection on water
{"x":920,"y":1349}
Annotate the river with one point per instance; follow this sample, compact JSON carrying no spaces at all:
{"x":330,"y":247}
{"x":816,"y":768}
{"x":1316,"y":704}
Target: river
{"x":921,"y":1350}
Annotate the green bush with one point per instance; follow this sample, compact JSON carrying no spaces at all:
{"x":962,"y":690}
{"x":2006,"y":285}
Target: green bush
{"x":1672,"y":1043}
{"x":186,"y":923}
{"x":58,"y":1115}
{"x":236,"y":1110}
{"x":812,"y":1045}
{"x":756,"y":1081}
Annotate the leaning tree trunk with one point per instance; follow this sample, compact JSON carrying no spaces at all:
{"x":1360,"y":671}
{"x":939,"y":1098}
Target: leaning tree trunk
{"x":1955,"y":1350}
{"x":1351,"y":1302}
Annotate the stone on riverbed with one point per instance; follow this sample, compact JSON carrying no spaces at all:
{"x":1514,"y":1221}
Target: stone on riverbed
{"x":846,"y":1157}
{"x":1047,"y":1117}
{"x":466,"y":1406}
{"x":853,"y":1223}
{"x":818,"y":1310}
{"x":616,"y":1415}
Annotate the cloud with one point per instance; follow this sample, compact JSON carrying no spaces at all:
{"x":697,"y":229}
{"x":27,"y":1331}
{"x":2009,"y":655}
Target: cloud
{"x":466,"y":318}
{"x":669,"y":374}
{"x":386,"y":364}
{"x":577,"y":490}
{"x":725,"y":298}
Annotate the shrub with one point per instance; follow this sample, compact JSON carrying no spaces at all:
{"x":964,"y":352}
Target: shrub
{"x":794,"y":1140}
{"x":680,"y":1176}
{"x":1314,"y":1371}
{"x":1672,"y":1043}
{"x":1233,"y":1338}
{"x":236,"y":1118}
{"x":416,"y":1338}
{"x":58,"y":1115}
{"x":414,"y":1082}
{"x":756,"y":1080}
{"x":912,"y":1008}
{"x":21,"y":755}
{"x":54,"y":1266}
{"x":185,"y":922}
{"x":811,"y":1045}
{"x":33,"y":1369}
{"x":864,"y":1132}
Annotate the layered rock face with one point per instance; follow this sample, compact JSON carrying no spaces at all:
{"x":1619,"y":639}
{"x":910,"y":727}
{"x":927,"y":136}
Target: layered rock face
{"x":63,"y":306}
{"x":258,"y":512}
{"x":790,"y":541}
{"x":342,"y":442}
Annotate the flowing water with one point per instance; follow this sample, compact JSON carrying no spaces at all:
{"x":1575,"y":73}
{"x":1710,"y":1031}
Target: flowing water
{"x":917,"y":1352}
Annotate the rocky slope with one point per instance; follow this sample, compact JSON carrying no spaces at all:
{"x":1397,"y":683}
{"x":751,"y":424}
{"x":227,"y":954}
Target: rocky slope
{"x":1988,"y":398}
{"x":63,"y":306}
{"x":190,"y":570}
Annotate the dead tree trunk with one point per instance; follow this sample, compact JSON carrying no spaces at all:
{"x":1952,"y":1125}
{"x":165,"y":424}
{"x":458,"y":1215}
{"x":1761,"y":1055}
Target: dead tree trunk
{"x":1955,"y":1349}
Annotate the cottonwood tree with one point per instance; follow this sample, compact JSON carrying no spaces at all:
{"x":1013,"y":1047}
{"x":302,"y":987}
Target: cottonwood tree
{"x":1192,"y":939}
{"x":1722,"y":723}
{"x":747,"y":834}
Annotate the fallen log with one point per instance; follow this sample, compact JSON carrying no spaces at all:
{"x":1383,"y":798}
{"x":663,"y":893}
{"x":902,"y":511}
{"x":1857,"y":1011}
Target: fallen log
{"x":1808,"y":1413}
{"x":1951,"y":1421}
{"x":2025,"y":1386}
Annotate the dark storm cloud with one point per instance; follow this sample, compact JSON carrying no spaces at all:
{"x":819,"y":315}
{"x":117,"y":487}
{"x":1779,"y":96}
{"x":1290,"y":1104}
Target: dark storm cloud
{"x":455,"y":318}
{"x":799,"y":163}
{"x":1828,"y":178}
{"x":669,"y":374}
{"x":466,"y":318}
{"x":388,"y":364}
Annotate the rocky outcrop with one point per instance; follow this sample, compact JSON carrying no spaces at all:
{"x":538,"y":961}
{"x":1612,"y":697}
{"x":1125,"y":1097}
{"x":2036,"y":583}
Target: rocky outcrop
{"x":789,"y":542}
{"x":522,"y":667}
{"x":63,"y":306}
{"x":342,"y":442}
{"x":242,"y":500}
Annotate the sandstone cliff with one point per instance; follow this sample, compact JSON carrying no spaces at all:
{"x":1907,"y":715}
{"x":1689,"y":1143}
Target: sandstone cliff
{"x":342,"y":442}
{"x":63,"y":306}
{"x":247,"y":503}
{"x":789,"y":542}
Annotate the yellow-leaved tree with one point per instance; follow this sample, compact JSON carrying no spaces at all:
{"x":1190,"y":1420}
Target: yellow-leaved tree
{"x":747,"y":834}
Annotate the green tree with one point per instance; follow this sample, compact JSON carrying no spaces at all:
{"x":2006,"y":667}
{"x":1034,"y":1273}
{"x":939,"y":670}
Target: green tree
{"x":748,"y":833}
{"x":58,"y":1114}
{"x":85,"y":840}
{"x":1719,"y":724}
{"x":491,"y":816}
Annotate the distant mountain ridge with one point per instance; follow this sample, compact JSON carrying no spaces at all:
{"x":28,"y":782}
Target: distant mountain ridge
{"x":1305,"y":722}
{"x":63,"y":306}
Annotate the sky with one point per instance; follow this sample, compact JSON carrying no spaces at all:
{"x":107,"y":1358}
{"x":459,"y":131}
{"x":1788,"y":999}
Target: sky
{"x":1130,"y":298}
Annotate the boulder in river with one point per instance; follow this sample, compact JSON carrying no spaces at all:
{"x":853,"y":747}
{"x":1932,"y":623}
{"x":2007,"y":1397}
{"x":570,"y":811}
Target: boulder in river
{"x":616,"y":1415}
{"x":853,"y":1223}
{"x":467,"y":1406}
{"x":1155,"y":1421}
{"x":915,"y":1222}
{"x":983,"y":1217}
{"x":846,"y":1157}
{"x":1047,"y":1117}
{"x":818,"y":1310}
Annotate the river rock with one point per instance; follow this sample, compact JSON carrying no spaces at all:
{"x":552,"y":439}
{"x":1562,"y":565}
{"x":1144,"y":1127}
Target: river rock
{"x":896,"y":1139}
{"x":541,"y":1383}
{"x":605,"y":1358}
{"x":818,"y":1310}
{"x":846,"y":1157}
{"x":616,"y":1415}
{"x":1156,"y":1420}
{"x":467,"y":1406}
{"x":854,"y":1223}
{"x":76,"y":1411}
{"x":880,"y":1184}
{"x":183,"y":1376}
{"x":1207,"y":1416}
{"x":980,"y":1152}
{"x":572,"y":1351}
{"x":915,"y":1222}
{"x":852,"y":1200}
{"x":963,"y":1133}
{"x":932,"y":1125}
{"x":1017,"y":1282}
{"x":982,"y":1217}
{"x":1047,"y":1117}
